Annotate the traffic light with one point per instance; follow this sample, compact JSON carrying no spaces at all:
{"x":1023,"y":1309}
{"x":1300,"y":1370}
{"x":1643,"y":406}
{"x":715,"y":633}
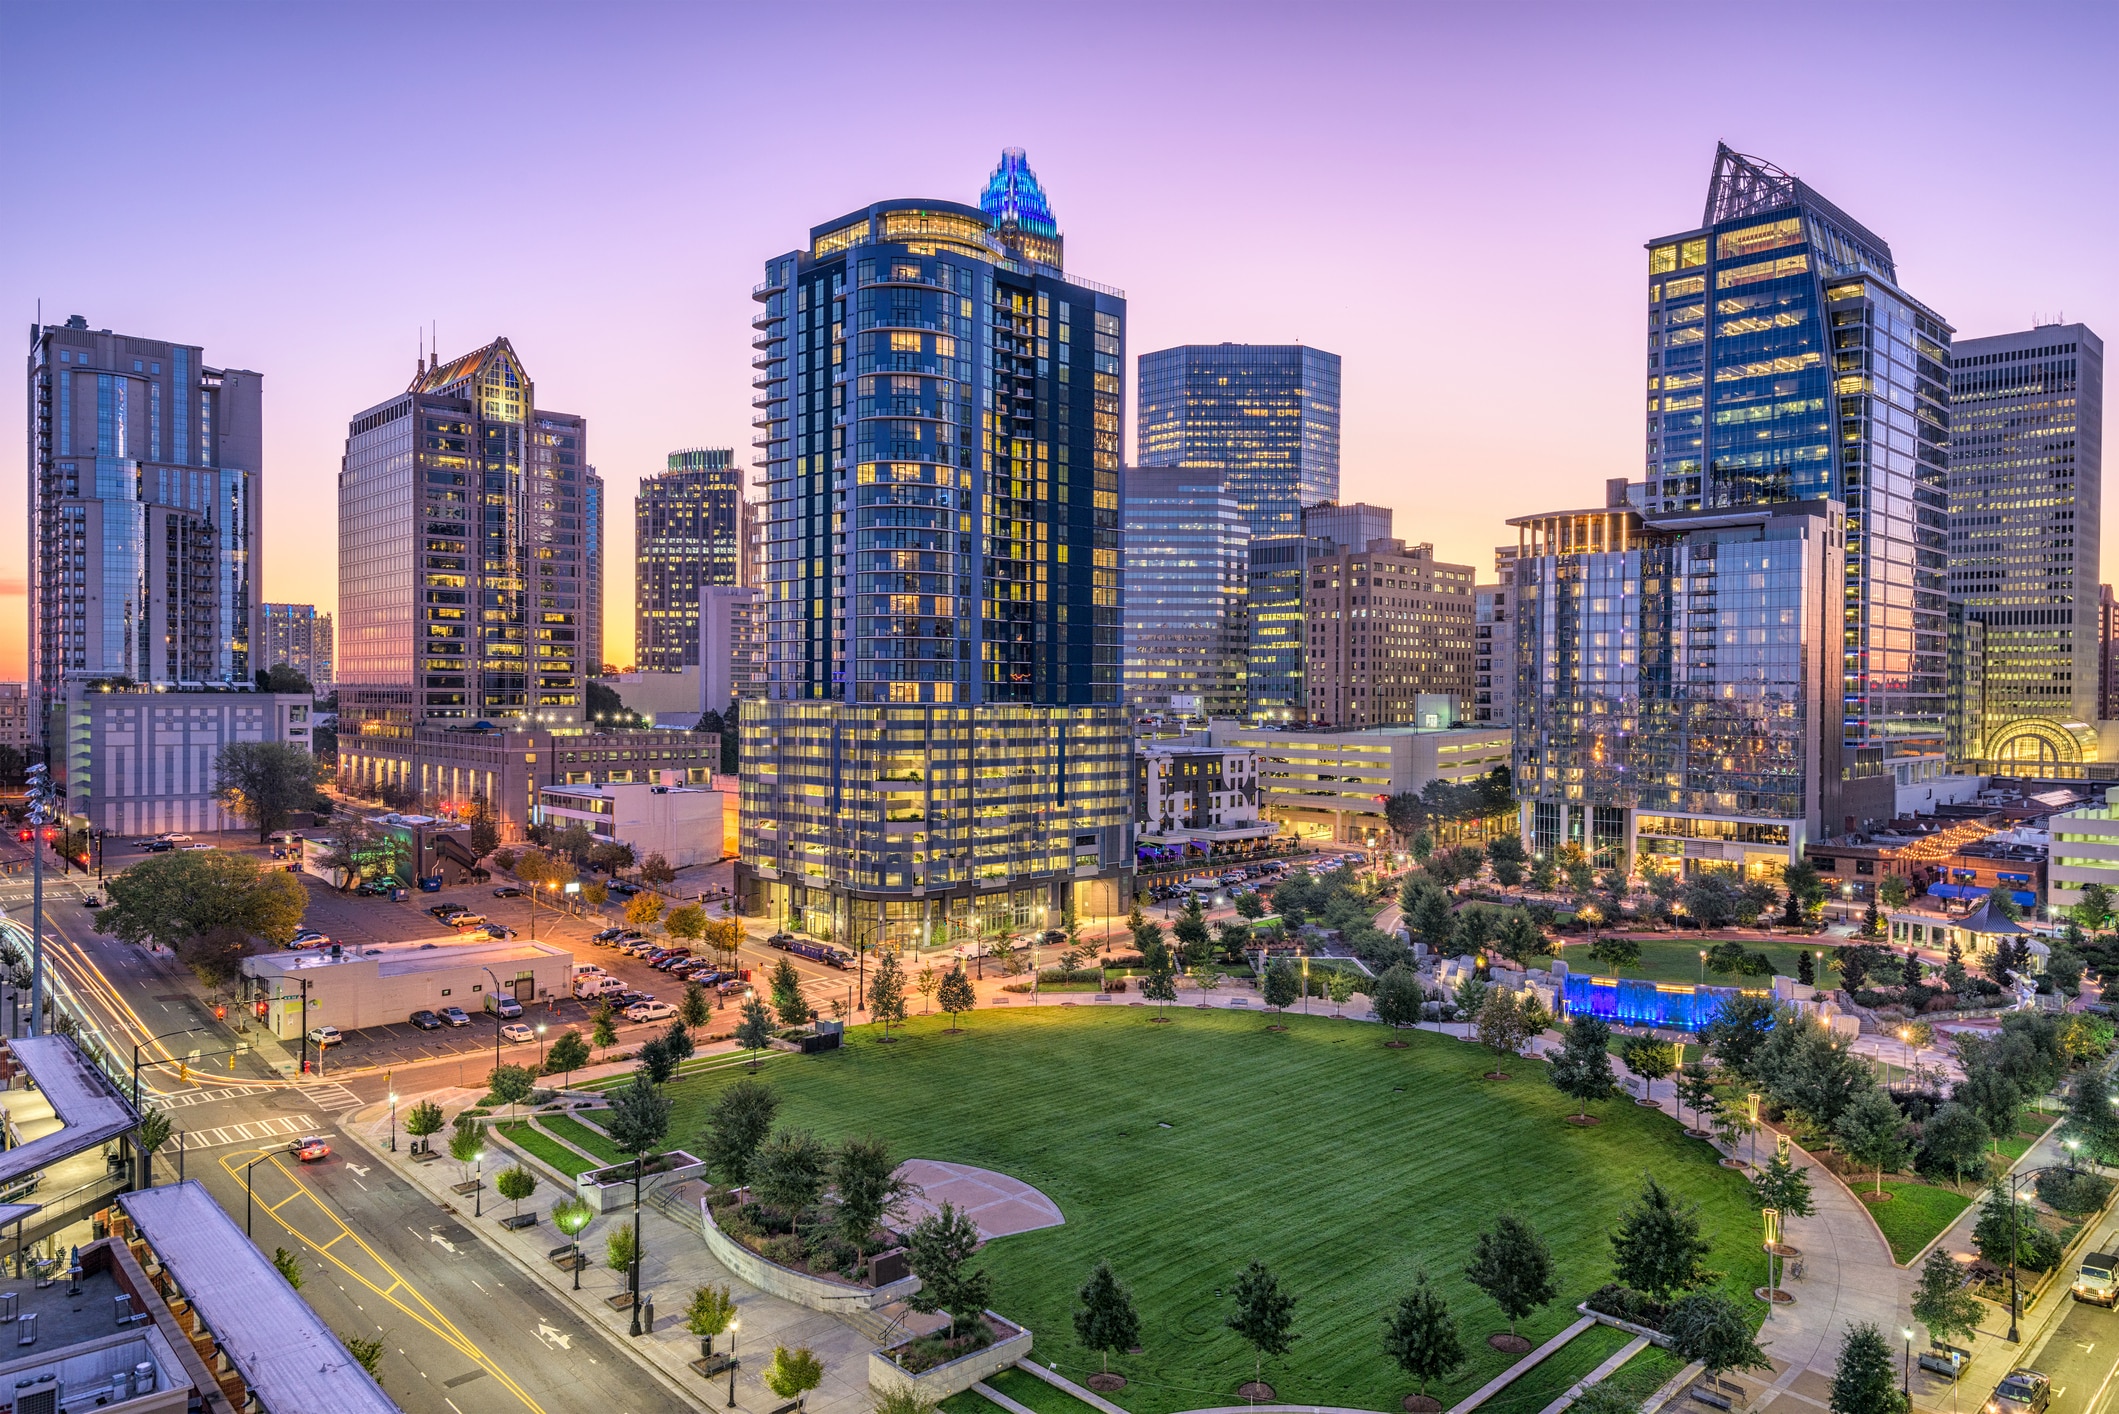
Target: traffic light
{"x":183,"y":1071}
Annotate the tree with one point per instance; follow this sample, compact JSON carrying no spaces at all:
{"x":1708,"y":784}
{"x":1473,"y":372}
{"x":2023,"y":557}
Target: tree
{"x":1782,"y":1186}
{"x":1105,"y":1321}
{"x":1429,"y":917}
{"x":1989,"y":1094}
{"x":605,"y":1034}
{"x":1340,"y":985}
{"x":1582,"y":1069}
{"x":789,"y":1171}
{"x":1893,"y":891}
{"x":1657,"y":1246}
{"x":955,"y":996}
{"x":2007,"y":1229}
{"x":367,"y":1351}
{"x":610,"y":856}
{"x":657,"y":1062}
{"x":1806,"y":968}
{"x":1250,"y":905}
{"x":1282,"y":985}
{"x":886,"y":992}
{"x":693,"y":1008}
{"x":211,"y":907}
{"x":290,"y":1266}
{"x":1864,"y":1381}
{"x":150,"y":1134}
{"x":927,"y":980}
{"x":1513,"y":1266}
{"x":1649,"y":1057}
{"x":755,"y":1031}
{"x":638,"y":1118}
{"x":687,"y":923}
{"x":265,"y":782}
{"x":1421,"y":1335}
{"x":1708,"y":1326}
{"x":794,"y":1373}
{"x":1264,"y":1316}
{"x":2094,"y":909}
{"x":1618,"y":953}
{"x":510,"y":1085}
{"x":1505,"y":853}
{"x":484,"y":831}
{"x":1941,"y":1303}
{"x":422,"y":1122}
{"x":736,"y":1125}
{"x":1873,"y":1133}
{"x":1191,"y":934}
{"x":1160,"y":983}
{"x":515,"y":1183}
{"x":1952,"y":1140}
{"x":711,"y":1312}
{"x":467,"y":1142}
{"x":1738,"y":1031}
{"x":1501,"y":1024}
{"x":568,"y":1054}
{"x":2090,"y":1120}
{"x":1521,"y":939}
{"x":937,"y":1248}
{"x":1398,"y":997}
{"x":643,"y":910}
{"x":865,"y":1177}
{"x":620,"y":1250}
{"x":1712,"y":898}
{"x":655,"y":871}
{"x":788,"y":1000}
{"x":1469,"y":995}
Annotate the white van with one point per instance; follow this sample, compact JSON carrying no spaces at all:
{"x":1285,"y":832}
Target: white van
{"x":595,"y":984}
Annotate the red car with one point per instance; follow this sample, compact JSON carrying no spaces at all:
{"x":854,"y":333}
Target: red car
{"x":308,"y":1148}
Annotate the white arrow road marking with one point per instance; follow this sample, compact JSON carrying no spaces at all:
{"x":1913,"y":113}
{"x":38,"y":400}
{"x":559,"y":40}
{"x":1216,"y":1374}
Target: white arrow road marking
{"x":361,"y":1169}
{"x":446,"y":1244}
{"x":553,"y":1337}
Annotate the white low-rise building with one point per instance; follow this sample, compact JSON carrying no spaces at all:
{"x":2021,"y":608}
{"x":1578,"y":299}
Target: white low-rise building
{"x":684,"y":824}
{"x":356,"y":987}
{"x":1333,"y":784}
{"x":1205,"y":795}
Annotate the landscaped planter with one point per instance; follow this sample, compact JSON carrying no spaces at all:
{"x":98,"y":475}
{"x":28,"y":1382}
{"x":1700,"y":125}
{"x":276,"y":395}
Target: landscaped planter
{"x":1011,"y":1343}
{"x":609,"y":1189}
{"x":818,"y":1293}
{"x":807,"y":1043}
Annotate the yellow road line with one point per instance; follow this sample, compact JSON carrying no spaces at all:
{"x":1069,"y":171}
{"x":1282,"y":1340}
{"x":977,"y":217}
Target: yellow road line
{"x":426,"y":1314}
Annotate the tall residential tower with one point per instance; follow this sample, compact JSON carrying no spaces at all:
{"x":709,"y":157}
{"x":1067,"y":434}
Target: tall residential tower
{"x":1263,"y":417}
{"x":2026,"y":463}
{"x":939,"y":407}
{"x":1785,"y":364}
{"x":686,"y":538}
{"x":145,"y":520}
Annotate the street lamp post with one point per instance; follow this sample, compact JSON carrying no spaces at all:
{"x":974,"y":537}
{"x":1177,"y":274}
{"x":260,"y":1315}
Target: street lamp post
{"x":540,"y":1048}
{"x":732,"y":1362}
{"x":1703,"y":967}
{"x":1905,"y":1386}
{"x":478,"y":1184}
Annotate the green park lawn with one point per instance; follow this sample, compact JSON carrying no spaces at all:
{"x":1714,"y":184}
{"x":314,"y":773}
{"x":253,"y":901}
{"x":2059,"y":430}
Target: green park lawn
{"x":583,"y":1136}
{"x":530,"y":1141}
{"x":1916,"y":1212}
{"x":1181,"y":1151}
{"x":1677,"y":959}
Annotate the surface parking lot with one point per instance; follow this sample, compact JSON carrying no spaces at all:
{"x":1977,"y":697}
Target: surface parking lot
{"x":355,"y":921}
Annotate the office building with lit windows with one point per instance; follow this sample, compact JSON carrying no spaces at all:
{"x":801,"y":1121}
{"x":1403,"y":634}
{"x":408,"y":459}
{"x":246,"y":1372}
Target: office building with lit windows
{"x":145,"y":519}
{"x":1264,"y":418}
{"x":942,"y":745}
{"x":1678,"y":690}
{"x":1786,"y":364}
{"x":1274,"y":685}
{"x":1388,"y":626}
{"x":2026,"y":465}
{"x":592,"y":541}
{"x":686,"y":538}
{"x":1186,"y":577}
{"x":462,"y":568}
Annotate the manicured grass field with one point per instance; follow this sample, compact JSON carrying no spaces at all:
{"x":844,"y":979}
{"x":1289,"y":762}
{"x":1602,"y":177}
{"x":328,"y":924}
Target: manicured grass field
{"x":559,"y":1156}
{"x":1676,"y":958}
{"x":1916,"y":1212}
{"x":1344,"y":1165}
{"x":583,"y":1136}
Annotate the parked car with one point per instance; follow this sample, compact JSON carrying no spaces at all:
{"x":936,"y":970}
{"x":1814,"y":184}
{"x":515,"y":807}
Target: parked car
{"x":323,"y":1037}
{"x":174,"y":838}
{"x":780,"y":941}
{"x":158,"y":846}
{"x":498,"y":930}
{"x":468,"y":920}
{"x":607,"y":935}
{"x":455,"y":1016}
{"x":516,"y":1032}
{"x":588,"y":969}
{"x":447,"y":910}
{"x":507,"y":891}
{"x":729,"y":986}
{"x":650,"y":1011}
{"x":309,"y":1148}
{"x":426,"y":1020}
{"x":2021,"y":1392}
{"x":92,"y":901}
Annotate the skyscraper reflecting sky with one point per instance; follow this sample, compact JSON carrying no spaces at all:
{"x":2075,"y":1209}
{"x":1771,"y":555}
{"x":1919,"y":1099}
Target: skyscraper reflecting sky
{"x":1264,"y":416}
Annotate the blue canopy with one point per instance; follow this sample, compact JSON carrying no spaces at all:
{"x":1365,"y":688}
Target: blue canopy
{"x":1963,"y":891}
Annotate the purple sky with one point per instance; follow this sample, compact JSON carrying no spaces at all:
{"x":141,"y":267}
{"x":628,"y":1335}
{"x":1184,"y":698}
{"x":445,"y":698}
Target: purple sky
{"x":1454,"y":198}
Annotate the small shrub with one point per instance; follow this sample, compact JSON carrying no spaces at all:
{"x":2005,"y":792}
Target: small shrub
{"x":2073,"y":1193}
{"x":1629,"y":1305}
{"x":786,"y":1249}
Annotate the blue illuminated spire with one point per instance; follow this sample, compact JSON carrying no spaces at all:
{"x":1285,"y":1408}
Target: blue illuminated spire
{"x":1013,"y":200}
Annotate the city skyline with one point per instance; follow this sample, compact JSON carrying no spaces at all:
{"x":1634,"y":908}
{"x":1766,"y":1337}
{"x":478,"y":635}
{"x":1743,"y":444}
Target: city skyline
{"x":1376,"y":169}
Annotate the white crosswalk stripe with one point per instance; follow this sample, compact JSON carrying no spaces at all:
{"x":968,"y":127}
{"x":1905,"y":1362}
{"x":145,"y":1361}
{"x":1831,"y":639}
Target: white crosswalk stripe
{"x":250,"y":1132}
{"x":329,"y":1097}
{"x":182,"y":1098}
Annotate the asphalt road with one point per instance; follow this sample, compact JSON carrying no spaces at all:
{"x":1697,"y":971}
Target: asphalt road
{"x":2079,"y":1358}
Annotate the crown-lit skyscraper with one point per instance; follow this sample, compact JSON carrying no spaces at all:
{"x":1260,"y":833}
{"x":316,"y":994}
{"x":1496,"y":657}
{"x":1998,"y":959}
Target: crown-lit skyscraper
{"x":942,"y":743}
{"x":1785,"y":363}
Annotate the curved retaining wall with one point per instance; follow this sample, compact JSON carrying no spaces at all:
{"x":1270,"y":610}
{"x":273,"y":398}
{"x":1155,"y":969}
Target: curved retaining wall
{"x":817,"y":1293}
{"x":885,"y":1375}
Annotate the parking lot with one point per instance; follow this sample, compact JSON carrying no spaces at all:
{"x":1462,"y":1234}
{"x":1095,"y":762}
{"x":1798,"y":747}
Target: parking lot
{"x":355,"y":921}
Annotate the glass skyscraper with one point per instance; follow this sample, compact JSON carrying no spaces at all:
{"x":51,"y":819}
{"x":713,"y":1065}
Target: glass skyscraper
{"x":1262,"y":417}
{"x":2026,"y":467}
{"x":1187,"y":574}
{"x":685,"y":539}
{"x":1786,"y":364}
{"x":942,"y":740}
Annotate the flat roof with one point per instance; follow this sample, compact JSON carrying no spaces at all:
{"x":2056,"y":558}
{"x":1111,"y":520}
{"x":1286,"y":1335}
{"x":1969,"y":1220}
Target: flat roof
{"x":283,"y":1348}
{"x":393,"y":959}
{"x":88,"y":1106}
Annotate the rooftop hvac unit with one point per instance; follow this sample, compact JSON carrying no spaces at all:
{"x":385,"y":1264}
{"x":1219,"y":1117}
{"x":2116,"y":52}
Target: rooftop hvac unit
{"x":37,"y":1396}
